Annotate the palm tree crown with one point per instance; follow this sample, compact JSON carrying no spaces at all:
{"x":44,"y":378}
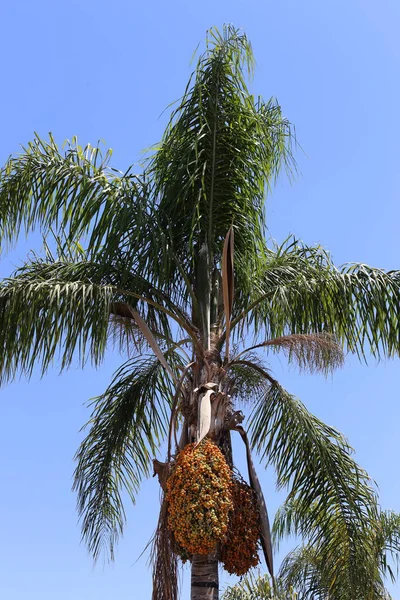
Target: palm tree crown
{"x":177,"y":272}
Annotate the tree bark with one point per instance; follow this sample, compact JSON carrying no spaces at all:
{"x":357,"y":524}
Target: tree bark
{"x":205,"y":584}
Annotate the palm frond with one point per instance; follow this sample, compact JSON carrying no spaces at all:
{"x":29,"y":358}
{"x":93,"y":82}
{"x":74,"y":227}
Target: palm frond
{"x":75,"y":191}
{"x":304,"y":292}
{"x":43,"y":319}
{"x":330,"y":501}
{"x":124,"y":335}
{"x":219,"y":152}
{"x":249,"y":589}
{"x":58,"y":309}
{"x":248,"y":380}
{"x":389,"y":544}
{"x":228,"y":283}
{"x":258,"y":587}
{"x":301,"y":570}
{"x":127,"y":424}
{"x":75,"y":194}
{"x":304,"y":570}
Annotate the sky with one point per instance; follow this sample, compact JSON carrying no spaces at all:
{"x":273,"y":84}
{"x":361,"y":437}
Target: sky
{"x":105,"y":71}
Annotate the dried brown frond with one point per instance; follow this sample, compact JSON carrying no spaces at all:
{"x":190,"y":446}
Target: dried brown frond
{"x":164,"y":559}
{"x":124,"y":336}
{"x":312,"y":352}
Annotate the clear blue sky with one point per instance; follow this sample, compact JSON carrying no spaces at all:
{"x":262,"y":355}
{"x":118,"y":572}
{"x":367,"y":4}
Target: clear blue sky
{"x":104,"y":70}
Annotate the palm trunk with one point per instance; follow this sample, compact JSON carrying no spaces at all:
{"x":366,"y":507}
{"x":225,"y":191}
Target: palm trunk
{"x":204,"y":574}
{"x":204,"y":584}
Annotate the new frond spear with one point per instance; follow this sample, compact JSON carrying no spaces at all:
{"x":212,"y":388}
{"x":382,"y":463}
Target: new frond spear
{"x":178,"y":271}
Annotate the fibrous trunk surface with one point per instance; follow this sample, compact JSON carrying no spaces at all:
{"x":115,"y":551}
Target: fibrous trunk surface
{"x":204,"y":584}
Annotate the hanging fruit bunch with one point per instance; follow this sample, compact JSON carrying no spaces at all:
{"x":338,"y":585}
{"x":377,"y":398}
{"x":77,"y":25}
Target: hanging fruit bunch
{"x":199,"y":496}
{"x":239,"y":551}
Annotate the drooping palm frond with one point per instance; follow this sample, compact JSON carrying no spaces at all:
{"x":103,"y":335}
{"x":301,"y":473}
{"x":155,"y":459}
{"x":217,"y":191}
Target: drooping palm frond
{"x":57,"y":309}
{"x":127,"y":424}
{"x":301,"y":569}
{"x":303,"y":292}
{"x":389,"y":544}
{"x":45,"y":319}
{"x":330,"y":501}
{"x":124,"y":335}
{"x":218,"y":154}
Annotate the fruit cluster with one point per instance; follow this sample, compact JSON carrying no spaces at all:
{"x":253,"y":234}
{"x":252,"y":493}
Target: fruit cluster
{"x":199,"y":495}
{"x":240,"y":549}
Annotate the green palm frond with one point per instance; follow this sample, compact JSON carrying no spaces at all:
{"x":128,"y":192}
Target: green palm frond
{"x":74,"y":191}
{"x":330,"y":502}
{"x":42,"y":320}
{"x":251,"y":587}
{"x":218,"y":153}
{"x":57,"y":309}
{"x":389,"y":544}
{"x":303,"y":292}
{"x":301,"y":569}
{"x":126,"y":426}
{"x":75,"y":194}
{"x":258,"y":587}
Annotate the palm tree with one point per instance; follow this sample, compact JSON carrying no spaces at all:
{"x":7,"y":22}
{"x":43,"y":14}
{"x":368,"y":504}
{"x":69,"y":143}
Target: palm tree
{"x":164,"y":249}
{"x":304,"y":576}
{"x":304,"y":571}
